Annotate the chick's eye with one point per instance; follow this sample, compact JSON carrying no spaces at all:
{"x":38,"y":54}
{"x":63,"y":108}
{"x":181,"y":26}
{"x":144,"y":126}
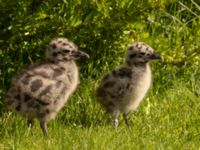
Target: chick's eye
{"x":66,"y":51}
{"x":142,"y":53}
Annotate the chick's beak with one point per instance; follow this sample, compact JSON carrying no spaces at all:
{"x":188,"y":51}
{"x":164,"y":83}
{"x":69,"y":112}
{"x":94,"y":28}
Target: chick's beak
{"x":79,"y":54}
{"x":156,"y":56}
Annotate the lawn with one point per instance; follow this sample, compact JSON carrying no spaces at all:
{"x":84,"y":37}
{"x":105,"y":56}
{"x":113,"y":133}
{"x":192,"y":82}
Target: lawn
{"x":168,"y":118}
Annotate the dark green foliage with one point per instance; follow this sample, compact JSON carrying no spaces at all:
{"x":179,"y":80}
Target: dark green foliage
{"x":102,"y":28}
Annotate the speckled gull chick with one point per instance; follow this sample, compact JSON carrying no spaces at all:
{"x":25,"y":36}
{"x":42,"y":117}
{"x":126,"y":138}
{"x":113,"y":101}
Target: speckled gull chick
{"x":122,"y":89}
{"x":42,"y":90}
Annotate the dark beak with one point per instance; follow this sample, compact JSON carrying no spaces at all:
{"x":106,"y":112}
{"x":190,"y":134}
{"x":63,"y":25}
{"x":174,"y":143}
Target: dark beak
{"x":156,"y":56}
{"x":79,"y":54}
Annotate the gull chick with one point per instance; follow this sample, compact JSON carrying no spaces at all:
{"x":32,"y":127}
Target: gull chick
{"x":42,"y":90}
{"x":122,"y":89}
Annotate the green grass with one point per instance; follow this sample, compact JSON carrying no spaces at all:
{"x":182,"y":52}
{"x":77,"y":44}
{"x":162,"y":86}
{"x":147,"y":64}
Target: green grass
{"x":168,"y":118}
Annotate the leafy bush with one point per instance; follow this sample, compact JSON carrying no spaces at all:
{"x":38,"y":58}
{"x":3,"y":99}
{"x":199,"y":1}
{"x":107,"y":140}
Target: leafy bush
{"x":102,"y":28}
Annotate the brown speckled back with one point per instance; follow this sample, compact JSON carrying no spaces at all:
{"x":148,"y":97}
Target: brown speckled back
{"x":42,"y":90}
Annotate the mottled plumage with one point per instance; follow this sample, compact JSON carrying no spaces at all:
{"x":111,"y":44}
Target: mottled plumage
{"x":42,"y":90}
{"x":122,"y":89}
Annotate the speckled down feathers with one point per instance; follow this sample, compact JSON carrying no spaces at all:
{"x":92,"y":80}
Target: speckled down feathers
{"x":122,"y":89}
{"x":42,"y":90}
